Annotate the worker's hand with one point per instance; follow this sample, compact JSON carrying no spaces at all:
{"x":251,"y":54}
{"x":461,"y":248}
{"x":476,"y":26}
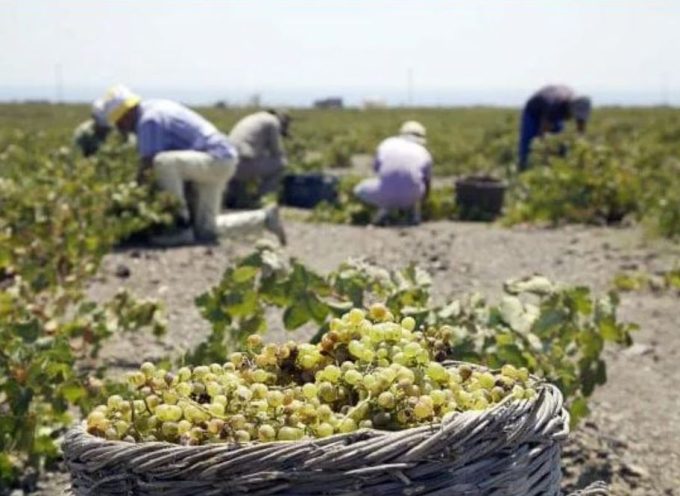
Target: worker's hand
{"x":144,"y":171}
{"x":144,"y":176}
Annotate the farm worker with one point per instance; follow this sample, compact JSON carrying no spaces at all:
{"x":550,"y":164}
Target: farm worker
{"x":92,"y":133}
{"x":546,"y":111}
{"x":258,"y":139}
{"x":404,"y":168}
{"x":180,"y":146}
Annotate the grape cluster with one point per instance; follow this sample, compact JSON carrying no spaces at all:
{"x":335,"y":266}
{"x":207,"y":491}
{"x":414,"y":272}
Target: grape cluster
{"x":367,"y":372}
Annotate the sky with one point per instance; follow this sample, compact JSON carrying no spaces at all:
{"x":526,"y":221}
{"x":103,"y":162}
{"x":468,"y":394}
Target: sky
{"x":426,"y":52}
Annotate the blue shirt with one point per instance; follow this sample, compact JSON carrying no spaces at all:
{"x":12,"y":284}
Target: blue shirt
{"x":551,"y":103}
{"x":166,"y":126}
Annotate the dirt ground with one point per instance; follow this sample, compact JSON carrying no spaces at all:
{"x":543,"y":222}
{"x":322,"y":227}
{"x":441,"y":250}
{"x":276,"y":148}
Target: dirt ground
{"x":632,"y":438}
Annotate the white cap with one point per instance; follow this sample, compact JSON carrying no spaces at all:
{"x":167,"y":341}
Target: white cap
{"x":581,"y":107}
{"x":98,"y":113}
{"x":415,"y":131}
{"x":117,"y":101}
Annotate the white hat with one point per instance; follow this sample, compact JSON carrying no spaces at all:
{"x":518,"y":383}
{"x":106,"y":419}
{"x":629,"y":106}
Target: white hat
{"x":581,"y":107}
{"x":117,"y":101}
{"x":415,"y":131}
{"x":98,"y":113}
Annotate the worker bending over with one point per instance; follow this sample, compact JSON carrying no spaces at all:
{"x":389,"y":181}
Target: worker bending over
{"x":178,"y":145}
{"x":258,"y":138}
{"x":404,"y":168}
{"x":546,"y":111}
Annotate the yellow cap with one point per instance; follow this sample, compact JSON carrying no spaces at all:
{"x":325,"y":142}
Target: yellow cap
{"x":118,"y":100}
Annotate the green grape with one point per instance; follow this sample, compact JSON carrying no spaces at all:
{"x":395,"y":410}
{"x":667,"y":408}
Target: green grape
{"x":408,"y":323}
{"x":355,"y":316}
{"x":327,"y":392}
{"x":244,"y":393}
{"x":242,"y":436}
{"x":324,"y":429}
{"x":275,"y":398}
{"x":347,"y":425}
{"x":136,"y":379}
{"x":260,"y":375}
{"x":307,"y":361}
{"x":411,"y":349}
{"x":355,"y":348}
{"x":115,"y":402}
{"x":183,"y":426}
{"x":237,"y":421}
{"x":518,"y":392}
{"x":201,"y":371}
{"x":111,"y":433}
{"x":438,"y":397}
{"x":487,"y":380}
{"x":148,"y":369}
{"x":423,"y":409}
{"x":266,"y":433}
{"x":523,"y":374}
{"x":216,"y":409}
{"x":289,"y":434}
{"x":437,"y":372}
{"x":254,"y":341}
{"x":237,"y":359}
{"x":353,"y":377}
{"x":259,"y":390}
{"x":215,"y":426}
{"x":184,"y":374}
{"x":310,"y":390}
{"x":183,"y":389}
{"x":170,"y":397}
{"x":332,"y":373}
{"x":509,"y":371}
{"x":170,"y":413}
{"x":170,"y":429}
{"x":324,"y":412}
{"x":387,"y":400}
{"x":98,"y":420}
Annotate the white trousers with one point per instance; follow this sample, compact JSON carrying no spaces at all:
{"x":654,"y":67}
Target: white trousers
{"x":240,"y":224}
{"x":209,"y":176}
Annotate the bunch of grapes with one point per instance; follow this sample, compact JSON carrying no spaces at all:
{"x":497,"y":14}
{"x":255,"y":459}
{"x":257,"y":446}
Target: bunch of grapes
{"x":368,"y":371}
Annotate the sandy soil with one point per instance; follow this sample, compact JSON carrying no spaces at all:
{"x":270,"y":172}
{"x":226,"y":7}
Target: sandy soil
{"x":632,"y":438}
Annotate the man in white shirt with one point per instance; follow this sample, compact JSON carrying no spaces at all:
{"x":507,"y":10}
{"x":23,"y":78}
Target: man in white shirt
{"x":262,"y":159}
{"x":404,"y":168}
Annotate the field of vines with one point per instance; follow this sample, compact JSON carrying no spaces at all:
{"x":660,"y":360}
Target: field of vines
{"x":64,"y":218}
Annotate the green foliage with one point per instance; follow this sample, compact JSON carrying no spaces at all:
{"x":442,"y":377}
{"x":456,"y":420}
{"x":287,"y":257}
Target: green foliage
{"x":587,"y":183}
{"x":59,"y":215}
{"x":558,"y":333}
{"x":639,"y":280}
{"x":629,"y":166}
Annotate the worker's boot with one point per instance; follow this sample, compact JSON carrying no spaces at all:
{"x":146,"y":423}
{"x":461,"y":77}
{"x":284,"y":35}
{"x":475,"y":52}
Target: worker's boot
{"x":413,"y":216}
{"x":381,"y":217}
{"x":273,"y":223}
{"x":180,"y":234}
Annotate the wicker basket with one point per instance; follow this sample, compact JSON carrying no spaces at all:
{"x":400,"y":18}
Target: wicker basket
{"x":512,"y":449}
{"x":480,"y":197}
{"x":309,"y":189}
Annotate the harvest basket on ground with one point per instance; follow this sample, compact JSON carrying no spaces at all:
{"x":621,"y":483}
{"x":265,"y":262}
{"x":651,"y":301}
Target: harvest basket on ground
{"x":480,"y":197}
{"x":511,"y":449}
{"x":309,"y":189}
